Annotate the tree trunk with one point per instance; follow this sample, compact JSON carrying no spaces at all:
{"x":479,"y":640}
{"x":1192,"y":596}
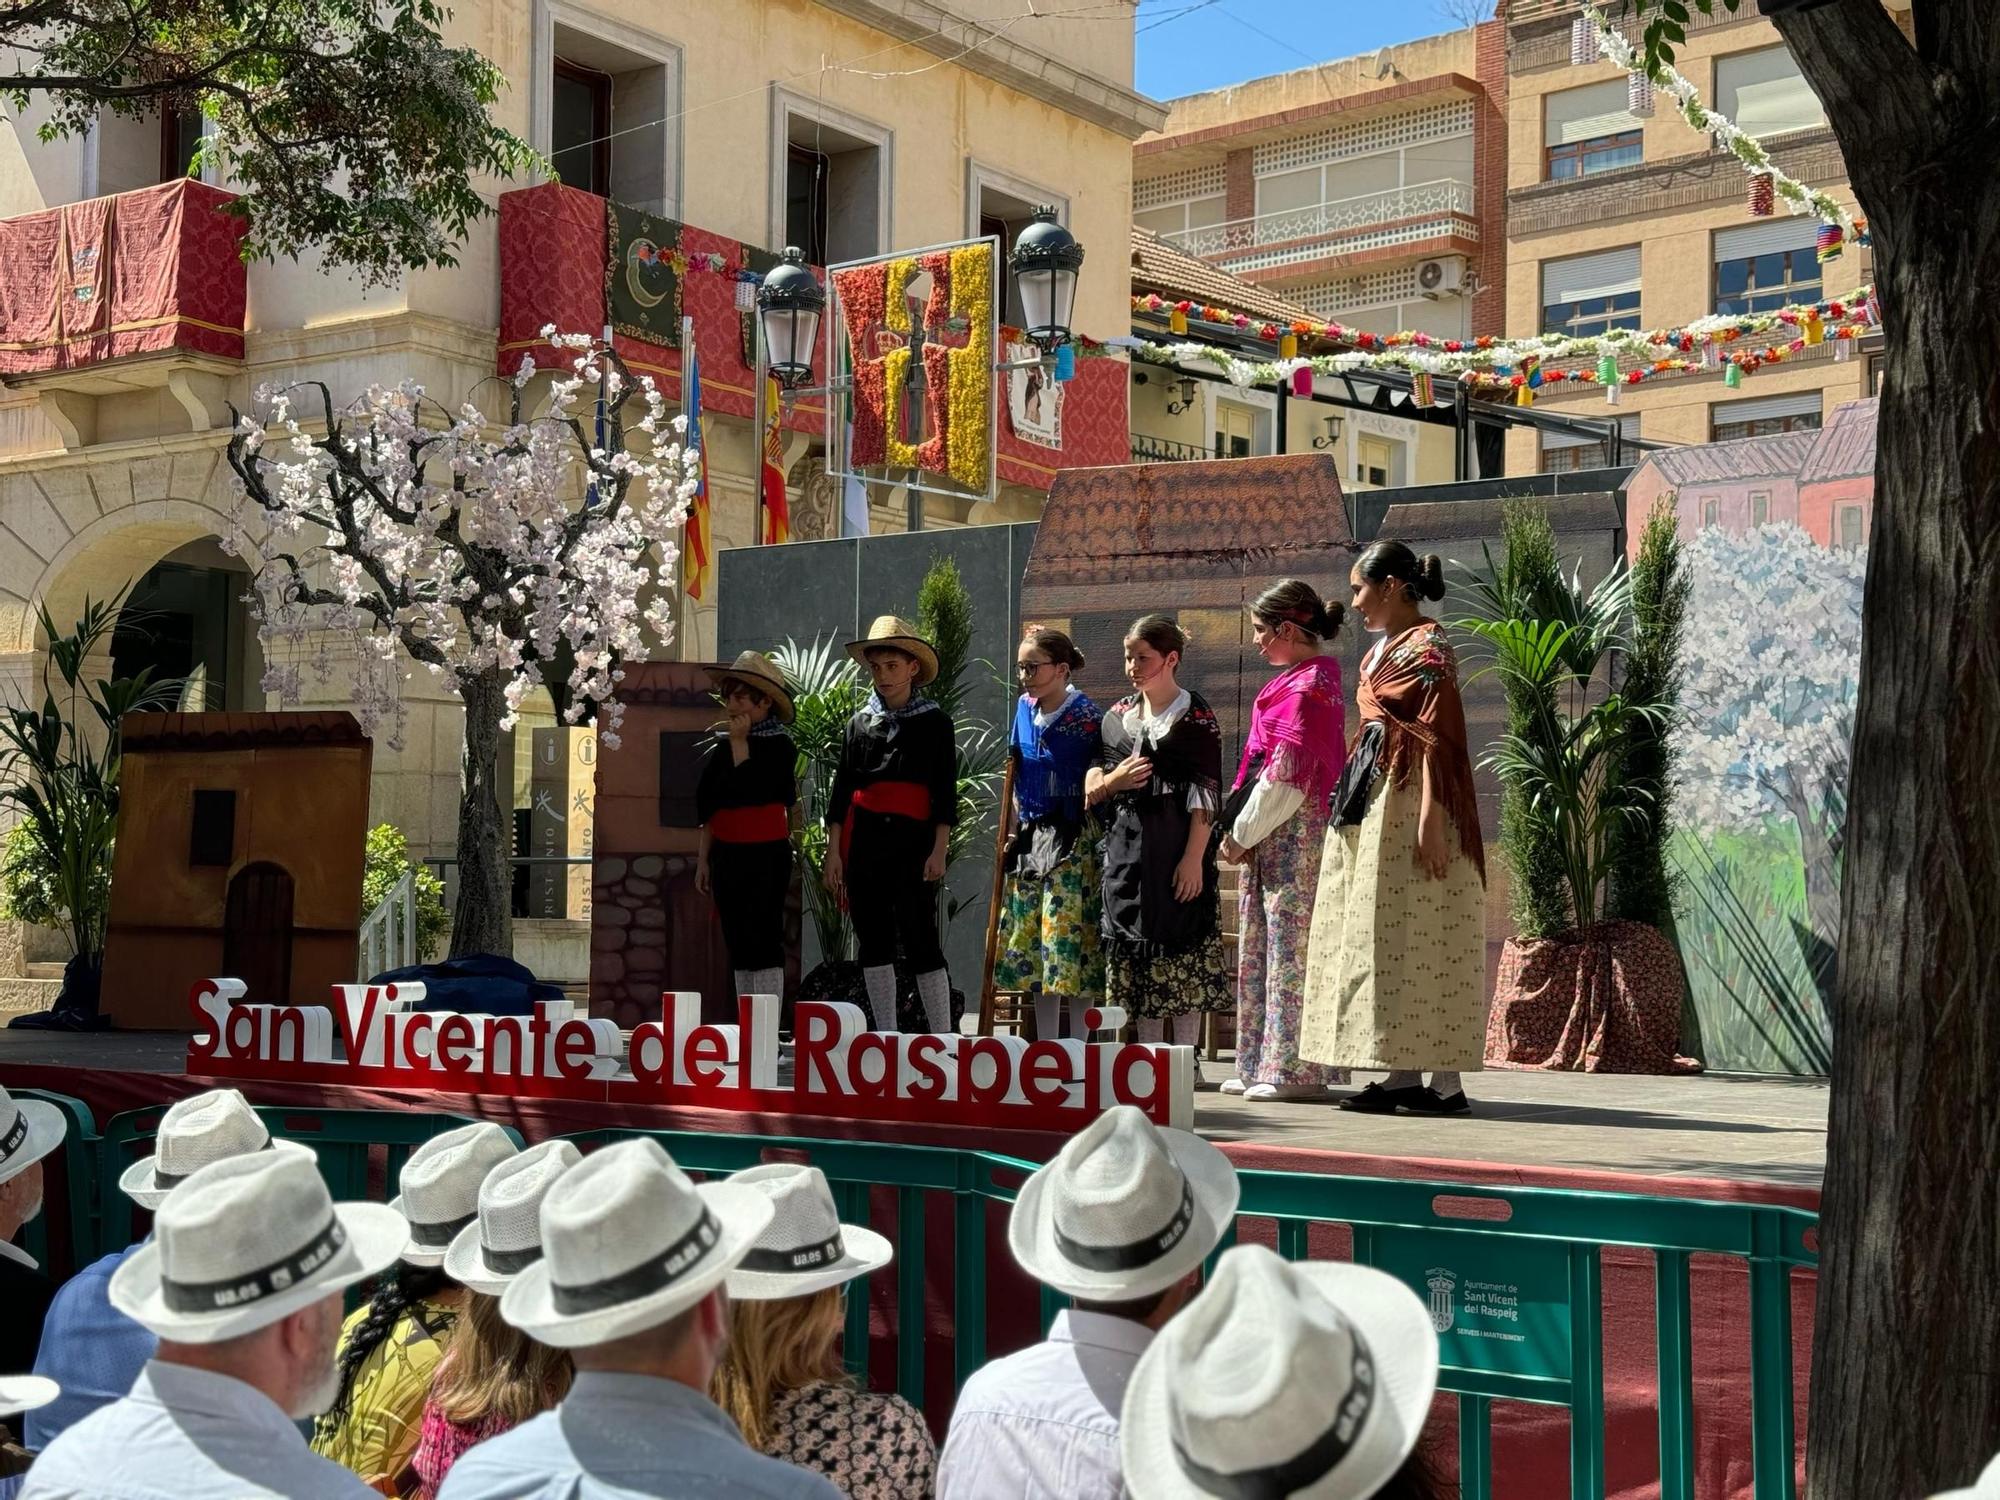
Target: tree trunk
{"x":484,"y":919}
{"x":1822,"y":878}
{"x":1905,"y":1396}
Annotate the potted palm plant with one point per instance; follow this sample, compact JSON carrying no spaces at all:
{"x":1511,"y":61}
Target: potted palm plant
{"x":1584,"y":794}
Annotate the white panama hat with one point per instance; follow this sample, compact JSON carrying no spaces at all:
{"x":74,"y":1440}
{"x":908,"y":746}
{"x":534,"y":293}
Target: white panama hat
{"x":805,"y":1248}
{"x":246,"y":1241}
{"x":29,"y":1131}
{"x":1125,"y":1210}
{"x":506,"y":1238}
{"x":1281,"y":1379}
{"x":440,"y":1187}
{"x":19,"y":1393}
{"x":195,"y":1131}
{"x":629,"y":1243}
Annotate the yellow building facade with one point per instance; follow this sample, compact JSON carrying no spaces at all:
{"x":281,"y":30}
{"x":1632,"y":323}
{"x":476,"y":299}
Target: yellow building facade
{"x":1623,"y":218}
{"x":859,"y":126}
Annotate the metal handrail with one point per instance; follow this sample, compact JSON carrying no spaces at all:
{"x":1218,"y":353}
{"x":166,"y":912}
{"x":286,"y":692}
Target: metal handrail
{"x":389,"y":933}
{"x":1152,"y":450}
{"x":1362,"y":211}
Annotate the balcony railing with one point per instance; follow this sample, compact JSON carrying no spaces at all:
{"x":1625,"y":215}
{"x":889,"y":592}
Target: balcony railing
{"x":1152,"y":450}
{"x":1343,"y":216}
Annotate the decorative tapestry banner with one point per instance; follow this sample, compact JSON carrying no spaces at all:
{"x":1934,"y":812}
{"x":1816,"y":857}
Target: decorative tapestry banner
{"x":642,"y":282}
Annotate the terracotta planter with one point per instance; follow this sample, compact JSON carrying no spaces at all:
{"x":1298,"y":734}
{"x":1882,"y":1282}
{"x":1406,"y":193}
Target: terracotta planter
{"x":1606,"y":1003}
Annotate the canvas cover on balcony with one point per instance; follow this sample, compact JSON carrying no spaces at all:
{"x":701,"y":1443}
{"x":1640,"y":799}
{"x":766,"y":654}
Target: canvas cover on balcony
{"x":108,"y":278}
{"x":557,"y":264}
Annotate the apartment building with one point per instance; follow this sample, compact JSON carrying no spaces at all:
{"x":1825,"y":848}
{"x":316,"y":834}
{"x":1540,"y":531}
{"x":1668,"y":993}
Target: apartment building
{"x":1624,"y":218}
{"x":847,"y":127}
{"x":1366,"y":190}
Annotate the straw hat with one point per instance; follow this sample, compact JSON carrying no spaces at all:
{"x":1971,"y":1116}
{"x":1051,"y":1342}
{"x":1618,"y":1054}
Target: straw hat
{"x":805,"y":1248}
{"x":891,"y":630}
{"x":29,"y":1131}
{"x":507,"y":1238}
{"x":192,"y":1133}
{"x":1308,"y":1380}
{"x":19,"y":1393}
{"x":246,"y":1241}
{"x":440,"y":1187}
{"x":756,"y":670}
{"x":1125,"y":1210}
{"x":629,"y":1243}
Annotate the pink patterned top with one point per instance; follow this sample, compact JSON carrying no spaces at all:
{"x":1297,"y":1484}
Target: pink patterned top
{"x":442,"y":1442}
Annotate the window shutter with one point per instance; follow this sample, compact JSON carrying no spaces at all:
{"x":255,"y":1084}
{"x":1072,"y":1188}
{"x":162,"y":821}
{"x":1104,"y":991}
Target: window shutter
{"x":1769,"y":237}
{"x":1586,"y":114}
{"x":1629,"y":426}
{"x":1768,"y":408}
{"x":1606,"y":274}
{"x":1764,"y":93}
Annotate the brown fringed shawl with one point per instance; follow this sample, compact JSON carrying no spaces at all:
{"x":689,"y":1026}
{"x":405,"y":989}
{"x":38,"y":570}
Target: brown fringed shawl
{"x":1412,"y":691}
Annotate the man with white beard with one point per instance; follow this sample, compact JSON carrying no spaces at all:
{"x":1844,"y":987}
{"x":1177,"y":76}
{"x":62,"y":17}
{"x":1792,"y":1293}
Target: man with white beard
{"x":241,"y":1284}
{"x":29,"y":1131}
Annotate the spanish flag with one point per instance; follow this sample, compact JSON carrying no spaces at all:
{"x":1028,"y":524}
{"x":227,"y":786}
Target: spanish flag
{"x":698,"y":552}
{"x":777,"y":516}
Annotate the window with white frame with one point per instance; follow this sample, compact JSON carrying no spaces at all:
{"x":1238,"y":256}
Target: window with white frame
{"x":1764,"y":417}
{"x":1299,"y":190}
{"x":1569,"y":452}
{"x":1584,"y":295}
{"x":1179,"y":218}
{"x":607,"y":99}
{"x":1765,"y":266}
{"x":139,"y":151}
{"x":1003,"y":205}
{"x":1763,"y":93}
{"x":830,"y":189}
{"x":1588,"y":130}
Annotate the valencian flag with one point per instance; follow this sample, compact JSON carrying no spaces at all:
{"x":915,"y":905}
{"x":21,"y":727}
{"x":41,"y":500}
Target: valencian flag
{"x":777,"y":515}
{"x":642,"y":283}
{"x":698,"y":552}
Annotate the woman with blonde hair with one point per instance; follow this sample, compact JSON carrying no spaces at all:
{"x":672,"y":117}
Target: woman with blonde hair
{"x":781,"y":1377}
{"x":493,"y":1377}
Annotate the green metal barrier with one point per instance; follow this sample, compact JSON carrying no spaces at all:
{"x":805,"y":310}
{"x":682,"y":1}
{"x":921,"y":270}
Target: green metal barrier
{"x":1512,"y":1276}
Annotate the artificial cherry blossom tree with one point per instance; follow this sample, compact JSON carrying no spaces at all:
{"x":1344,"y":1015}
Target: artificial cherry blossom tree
{"x":1773,"y":663}
{"x":394,"y":531}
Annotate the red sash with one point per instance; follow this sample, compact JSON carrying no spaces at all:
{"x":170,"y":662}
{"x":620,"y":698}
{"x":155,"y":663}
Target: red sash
{"x":901,"y":799}
{"x":767,"y":823}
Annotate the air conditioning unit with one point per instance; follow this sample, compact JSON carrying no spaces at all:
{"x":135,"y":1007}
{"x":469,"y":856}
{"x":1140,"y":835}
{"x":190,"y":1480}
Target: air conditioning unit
{"x":1443,"y":277}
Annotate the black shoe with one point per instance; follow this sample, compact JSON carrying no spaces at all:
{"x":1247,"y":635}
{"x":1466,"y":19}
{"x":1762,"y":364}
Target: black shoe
{"x":1430,"y":1102}
{"x":1376,"y":1100}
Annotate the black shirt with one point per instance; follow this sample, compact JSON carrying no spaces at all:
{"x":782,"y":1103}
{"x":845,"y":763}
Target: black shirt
{"x":916,"y":744}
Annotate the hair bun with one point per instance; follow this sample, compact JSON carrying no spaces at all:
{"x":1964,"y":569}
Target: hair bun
{"x":1075,"y":660}
{"x":1327,"y":626}
{"x":1430,"y":577}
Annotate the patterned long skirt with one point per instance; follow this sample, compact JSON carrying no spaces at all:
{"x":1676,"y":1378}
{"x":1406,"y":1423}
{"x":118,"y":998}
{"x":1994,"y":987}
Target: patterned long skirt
{"x":1049,"y":930}
{"x":1275,"y":910}
{"x":1396,"y":970}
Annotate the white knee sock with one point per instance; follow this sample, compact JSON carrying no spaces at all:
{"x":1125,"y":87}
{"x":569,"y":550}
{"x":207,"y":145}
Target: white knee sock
{"x":767,"y":982}
{"x":935,"y":988}
{"x":744,"y":981}
{"x":1187,"y":1029}
{"x":1444,"y":1085}
{"x":881,"y":982}
{"x":1403,"y":1079}
{"x":1048,"y":1016}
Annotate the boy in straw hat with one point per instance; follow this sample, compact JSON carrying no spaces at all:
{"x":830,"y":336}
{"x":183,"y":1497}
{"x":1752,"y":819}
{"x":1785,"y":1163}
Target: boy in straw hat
{"x":631,"y":1282}
{"x":29,"y":1131}
{"x":1121,"y":1220}
{"x":89,"y":1348}
{"x":744,"y":798}
{"x":241,"y":1284}
{"x":894,"y":800}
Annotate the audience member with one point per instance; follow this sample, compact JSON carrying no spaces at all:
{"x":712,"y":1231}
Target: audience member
{"x":631,"y":1283}
{"x":241,"y":1285}
{"x":1120,"y":1220}
{"x":493,"y":1377}
{"x":781,"y":1376}
{"x":19,"y":1393}
{"x":390,"y":1349}
{"x":1308,"y":1380}
{"x":29,"y":1131}
{"x":89,"y":1348}
{"x":1986,"y":1487}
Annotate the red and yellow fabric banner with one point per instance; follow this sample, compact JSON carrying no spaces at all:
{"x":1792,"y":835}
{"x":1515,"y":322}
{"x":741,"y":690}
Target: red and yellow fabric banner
{"x":698,"y":554}
{"x":777,"y":513}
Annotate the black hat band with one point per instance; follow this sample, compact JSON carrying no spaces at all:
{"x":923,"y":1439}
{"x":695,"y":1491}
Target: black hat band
{"x":254,"y":1286}
{"x":795,"y":1262}
{"x":1135,"y":1253}
{"x":654,"y":1274}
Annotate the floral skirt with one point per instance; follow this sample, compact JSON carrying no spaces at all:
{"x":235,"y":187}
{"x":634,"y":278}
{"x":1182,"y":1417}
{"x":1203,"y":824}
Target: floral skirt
{"x":1049,"y":930}
{"x":1152,"y":986}
{"x":1275,"y":914}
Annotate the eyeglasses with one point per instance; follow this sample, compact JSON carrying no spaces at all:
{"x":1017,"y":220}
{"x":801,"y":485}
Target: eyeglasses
{"x":1030,"y":668}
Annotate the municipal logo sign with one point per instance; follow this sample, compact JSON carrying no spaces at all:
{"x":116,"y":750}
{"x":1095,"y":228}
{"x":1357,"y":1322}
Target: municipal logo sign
{"x":1443,"y":1286}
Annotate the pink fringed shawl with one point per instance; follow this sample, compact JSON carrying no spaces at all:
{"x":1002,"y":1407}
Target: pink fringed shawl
{"x":1299,"y":728}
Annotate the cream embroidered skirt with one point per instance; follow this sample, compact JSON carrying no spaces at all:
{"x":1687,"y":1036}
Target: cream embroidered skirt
{"x":1396,"y":968}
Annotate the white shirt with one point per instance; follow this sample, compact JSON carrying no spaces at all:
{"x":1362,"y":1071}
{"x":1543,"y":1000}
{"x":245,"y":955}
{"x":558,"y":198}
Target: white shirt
{"x":1268,"y":807}
{"x":1043,"y":1424}
{"x":1044,"y":717}
{"x":186,"y":1434}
